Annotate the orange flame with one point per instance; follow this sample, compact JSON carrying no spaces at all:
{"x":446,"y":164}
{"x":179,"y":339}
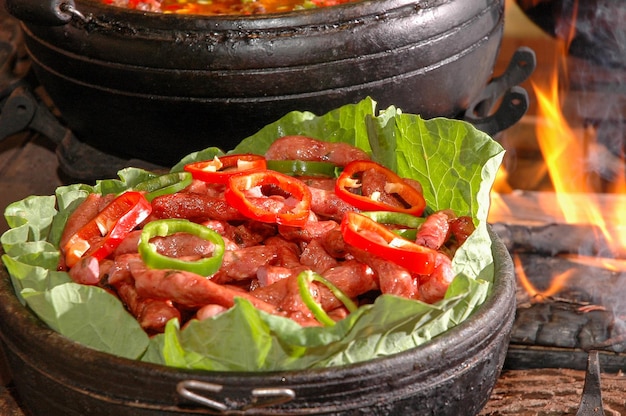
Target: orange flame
{"x":567,"y":150}
{"x":556,"y":284}
{"x":614,"y":265}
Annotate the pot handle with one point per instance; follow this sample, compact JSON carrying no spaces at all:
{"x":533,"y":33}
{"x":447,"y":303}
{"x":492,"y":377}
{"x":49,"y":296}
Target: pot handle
{"x":40,"y":12}
{"x":260,"y":397}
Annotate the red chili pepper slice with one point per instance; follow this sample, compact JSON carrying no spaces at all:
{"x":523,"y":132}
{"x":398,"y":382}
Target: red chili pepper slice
{"x":366,"y":234}
{"x":102,"y":234}
{"x":411,"y":200}
{"x":275,"y":197}
{"x":220,"y":169}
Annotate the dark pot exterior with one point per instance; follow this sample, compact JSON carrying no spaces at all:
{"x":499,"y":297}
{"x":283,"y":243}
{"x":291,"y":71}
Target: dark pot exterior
{"x":157,"y":87}
{"x":453,"y":374}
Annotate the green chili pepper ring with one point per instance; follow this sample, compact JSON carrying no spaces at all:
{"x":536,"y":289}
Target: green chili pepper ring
{"x":165,"y":184}
{"x":396,"y":218}
{"x":304,"y":168}
{"x":161,"y":228}
{"x":308,"y":276}
{"x":412,"y":222}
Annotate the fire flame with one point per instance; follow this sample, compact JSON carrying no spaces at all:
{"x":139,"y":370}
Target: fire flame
{"x":556,"y":284}
{"x":568,"y":150}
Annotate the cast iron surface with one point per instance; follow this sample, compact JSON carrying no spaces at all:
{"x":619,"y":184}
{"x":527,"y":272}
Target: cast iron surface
{"x":452,"y":375}
{"x":156,"y":87}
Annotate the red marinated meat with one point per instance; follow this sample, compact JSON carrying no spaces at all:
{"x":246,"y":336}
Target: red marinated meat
{"x":434,"y":232}
{"x":187,"y":289}
{"x":244,"y":263}
{"x":194,"y":207}
{"x":316,"y":257}
{"x":327,"y":204}
{"x":309,"y":149}
{"x":433,"y":287}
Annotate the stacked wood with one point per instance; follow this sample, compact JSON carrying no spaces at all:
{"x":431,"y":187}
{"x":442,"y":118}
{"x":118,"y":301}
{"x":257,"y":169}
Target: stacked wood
{"x":567,"y":303}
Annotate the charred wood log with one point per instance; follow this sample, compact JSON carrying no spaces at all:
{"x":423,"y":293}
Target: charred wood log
{"x":556,"y":238}
{"x":520,"y":357}
{"x":570,"y":279}
{"x":556,"y":326}
{"x":559,"y":324}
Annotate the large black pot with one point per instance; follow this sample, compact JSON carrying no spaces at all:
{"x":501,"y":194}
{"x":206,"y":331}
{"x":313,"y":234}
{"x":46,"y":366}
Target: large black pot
{"x":157,"y":87}
{"x":453,"y":374}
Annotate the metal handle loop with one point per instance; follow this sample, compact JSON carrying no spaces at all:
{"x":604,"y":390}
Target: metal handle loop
{"x":272,"y":396}
{"x":260,"y":397}
{"x":184,"y":389}
{"x":46,"y":13}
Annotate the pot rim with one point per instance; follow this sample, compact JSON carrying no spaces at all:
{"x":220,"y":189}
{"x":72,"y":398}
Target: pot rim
{"x":347,"y":16}
{"x":348,"y":10}
{"x":492,"y":316}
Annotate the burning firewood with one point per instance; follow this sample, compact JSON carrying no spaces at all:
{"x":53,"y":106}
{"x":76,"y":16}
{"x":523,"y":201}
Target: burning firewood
{"x":556,"y":238}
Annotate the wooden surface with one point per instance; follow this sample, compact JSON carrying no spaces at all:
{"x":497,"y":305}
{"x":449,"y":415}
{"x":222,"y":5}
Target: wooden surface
{"x":542,"y":392}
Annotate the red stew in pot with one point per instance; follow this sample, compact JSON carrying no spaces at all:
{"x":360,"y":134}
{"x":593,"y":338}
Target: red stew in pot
{"x":223,"y":7}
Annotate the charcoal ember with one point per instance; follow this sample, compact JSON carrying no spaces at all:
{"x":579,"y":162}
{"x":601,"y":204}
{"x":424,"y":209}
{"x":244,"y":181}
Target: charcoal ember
{"x":561,"y":329}
{"x":528,"y":323}
{"x":600,"y":331}
{"x":554,"y":238}
{"x":562,"y":324}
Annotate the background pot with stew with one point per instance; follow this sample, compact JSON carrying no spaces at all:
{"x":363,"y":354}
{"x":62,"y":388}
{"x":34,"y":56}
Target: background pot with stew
{"x":158,"y":86}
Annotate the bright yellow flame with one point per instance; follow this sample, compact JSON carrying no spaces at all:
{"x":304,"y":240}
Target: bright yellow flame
{"x":566,"y":152}
{"x":614,"y":265}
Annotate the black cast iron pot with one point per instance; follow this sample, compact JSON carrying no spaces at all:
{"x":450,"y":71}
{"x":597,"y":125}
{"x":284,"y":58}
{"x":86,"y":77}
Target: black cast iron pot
{"x":157,"y":87}
{"x":453,"y":374}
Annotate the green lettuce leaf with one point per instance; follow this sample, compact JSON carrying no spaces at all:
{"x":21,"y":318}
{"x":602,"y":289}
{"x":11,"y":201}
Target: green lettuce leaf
{"x":273,"y":343}
{"x":76,"y":311}
{"x":456,"y":165}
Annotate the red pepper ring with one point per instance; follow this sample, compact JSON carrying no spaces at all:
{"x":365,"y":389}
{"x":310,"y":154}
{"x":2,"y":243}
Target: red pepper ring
{"x":263,"y":208}
{"x":221,"y":168}
{"x":110,"y":227}
{"x":366,"y":234}
{"x":395,"y":185}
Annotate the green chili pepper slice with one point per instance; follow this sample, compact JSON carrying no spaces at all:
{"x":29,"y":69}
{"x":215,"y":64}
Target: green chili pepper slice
{"x":408,"y":233}
{"x":169,"y":183}
{"x":395,"y":218}
{"x":304,"y":168}
{"x":411,"y":222}
{"x":304,"y":279}
{"x":161,"y":228}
